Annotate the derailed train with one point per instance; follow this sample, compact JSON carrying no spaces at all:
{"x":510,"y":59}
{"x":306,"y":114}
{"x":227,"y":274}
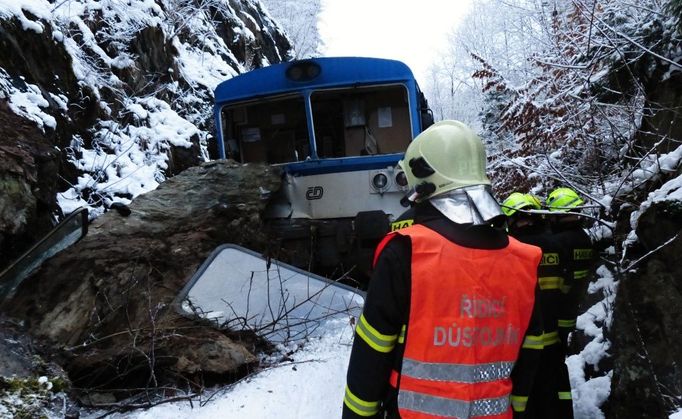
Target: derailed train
{"x":337,"y":127}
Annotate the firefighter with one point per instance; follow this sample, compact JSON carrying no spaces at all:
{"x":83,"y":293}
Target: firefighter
{"x":564,"y":204}
{"x":450,"y":320}
{"x":551,"y":394}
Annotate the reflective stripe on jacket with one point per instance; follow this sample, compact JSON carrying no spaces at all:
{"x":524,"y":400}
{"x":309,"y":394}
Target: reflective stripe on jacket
{"x":469,"y":311}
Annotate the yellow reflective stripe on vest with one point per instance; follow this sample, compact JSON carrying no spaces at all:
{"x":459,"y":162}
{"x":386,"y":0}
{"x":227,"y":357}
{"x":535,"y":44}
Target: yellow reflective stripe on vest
{"x":550,"y":338}
{"x":550,"y":282}
{"x":565,"y":395}
{"x":533,"y":342}
{"x":359,"y":406}
{"x":519,"y":403}
{"x":566,"y":323}
{"x":580,"y":274}
{"x":377,"y":341}
{"x":459,"y":373}
{"x":452,"y":408}
{"x":401,"y":336}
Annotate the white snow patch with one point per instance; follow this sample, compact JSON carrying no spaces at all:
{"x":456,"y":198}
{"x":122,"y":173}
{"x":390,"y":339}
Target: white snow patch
{"x":587,"y":395}
{"x":590,"y":394}
{"x":122,"y":61}
{"x":138,"y":111}
{"x":61,"y":100}
{"x":207,"y":69}
{"x":29,"y":103}
{"x":311,"y":386}
{"x":70,"y":200}
{"x":38,"y":8}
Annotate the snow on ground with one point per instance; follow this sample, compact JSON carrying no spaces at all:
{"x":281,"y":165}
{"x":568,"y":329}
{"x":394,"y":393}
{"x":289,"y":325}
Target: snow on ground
{"x":311,"y":386}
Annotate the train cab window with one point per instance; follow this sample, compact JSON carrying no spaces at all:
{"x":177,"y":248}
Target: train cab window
{"x":270,"y":132}
{"x":361,"y":121}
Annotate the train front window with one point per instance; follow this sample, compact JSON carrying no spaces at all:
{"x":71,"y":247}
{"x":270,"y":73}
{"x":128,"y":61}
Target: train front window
{"x":272,"y":131}
{"x":361,"y":121}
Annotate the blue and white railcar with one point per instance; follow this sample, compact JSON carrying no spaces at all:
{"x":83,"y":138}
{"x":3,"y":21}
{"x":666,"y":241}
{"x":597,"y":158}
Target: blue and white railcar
{"x":337,"y":127}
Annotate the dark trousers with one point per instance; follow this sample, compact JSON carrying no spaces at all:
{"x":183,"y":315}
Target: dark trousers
{"x":544,"y":401}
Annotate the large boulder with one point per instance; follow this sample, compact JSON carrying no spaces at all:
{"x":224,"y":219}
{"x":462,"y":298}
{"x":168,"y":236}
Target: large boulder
{"x":103,"y":306}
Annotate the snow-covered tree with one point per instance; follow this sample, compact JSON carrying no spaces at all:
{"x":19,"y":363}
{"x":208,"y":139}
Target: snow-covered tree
{"x":299,"y":19}
{"x":579,"y":113}
{"x":503,"y":33}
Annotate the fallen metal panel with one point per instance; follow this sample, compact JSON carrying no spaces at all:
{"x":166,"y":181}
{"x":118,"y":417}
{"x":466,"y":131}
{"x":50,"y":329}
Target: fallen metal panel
{"x":66,"y":233}
{"x":238,"y":289}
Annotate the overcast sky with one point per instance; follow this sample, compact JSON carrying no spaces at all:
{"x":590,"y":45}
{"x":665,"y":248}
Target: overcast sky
{"x":412,"y":31}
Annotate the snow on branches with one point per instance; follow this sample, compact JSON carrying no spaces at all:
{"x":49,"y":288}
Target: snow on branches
{"x":577,"y":118}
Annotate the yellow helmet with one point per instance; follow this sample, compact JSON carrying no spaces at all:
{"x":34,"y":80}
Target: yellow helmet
{"x":446,"y":156}
{"x":563,"y":199}
{"x":517,"y":201}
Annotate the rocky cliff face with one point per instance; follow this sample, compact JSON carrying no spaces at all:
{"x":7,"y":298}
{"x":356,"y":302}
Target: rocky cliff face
{"x":101,"y":101}
{"x":28,"y":183}
{"x":647,"y":319}
{"x":647,"y":315}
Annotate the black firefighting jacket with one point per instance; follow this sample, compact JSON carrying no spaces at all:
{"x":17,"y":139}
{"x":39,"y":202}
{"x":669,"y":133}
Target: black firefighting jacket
{"x":551,"y":394}
{"x":386,"y":312}
{"x":580,"y":264}
{"x":552,"y":274}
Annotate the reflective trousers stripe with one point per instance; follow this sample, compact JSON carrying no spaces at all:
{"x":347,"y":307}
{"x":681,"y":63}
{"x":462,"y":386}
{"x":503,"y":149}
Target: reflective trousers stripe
{"x":359,"y":406}
{"x":452,"y":408}
{"x":460,"y":373}
{"x":550,"y":282}
{"x":377,"y":341}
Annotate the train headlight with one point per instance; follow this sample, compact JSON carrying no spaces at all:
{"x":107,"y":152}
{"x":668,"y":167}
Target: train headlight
{"x":379,"y":181}
{"x":305,"y":70}
{"x":401,"y":179}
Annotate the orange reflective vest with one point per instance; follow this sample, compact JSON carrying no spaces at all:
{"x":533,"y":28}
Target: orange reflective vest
{"x":469,"y":310}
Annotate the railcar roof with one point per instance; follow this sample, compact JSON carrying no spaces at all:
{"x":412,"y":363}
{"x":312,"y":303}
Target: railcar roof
{"x":335,"y":71}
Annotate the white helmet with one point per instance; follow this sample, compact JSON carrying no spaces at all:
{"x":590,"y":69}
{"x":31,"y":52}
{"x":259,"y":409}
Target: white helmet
{"x":446,"y":156}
